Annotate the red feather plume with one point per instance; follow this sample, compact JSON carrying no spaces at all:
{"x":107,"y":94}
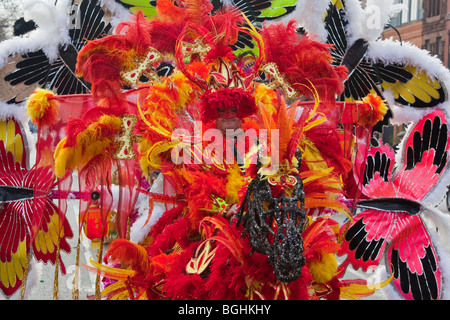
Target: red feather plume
{"x":304,"y":62}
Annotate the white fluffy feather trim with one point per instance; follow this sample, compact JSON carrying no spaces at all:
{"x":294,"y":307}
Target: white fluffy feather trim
{"x":51,"y":32}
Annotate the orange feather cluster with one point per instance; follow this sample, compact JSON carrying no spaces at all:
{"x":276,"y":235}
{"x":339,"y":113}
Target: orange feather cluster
{"x":42,"y":109}
{"x":365,"y":113}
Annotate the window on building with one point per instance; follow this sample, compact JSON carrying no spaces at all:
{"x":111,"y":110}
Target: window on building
{"x":407,"y":11}
{"x":412,"y":12}
{"x":436,"y":48}
{"x":433,"y":48}
{"x":420,"y":10}
{"x":434,"y":8}
{"x":397,"y":19}
{"x":415,"y":10}
{"x":426,"y":45}
{"x":439,"y":48}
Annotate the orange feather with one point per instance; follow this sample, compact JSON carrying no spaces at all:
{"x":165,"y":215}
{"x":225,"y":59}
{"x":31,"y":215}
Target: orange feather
{"x":128,"y":253}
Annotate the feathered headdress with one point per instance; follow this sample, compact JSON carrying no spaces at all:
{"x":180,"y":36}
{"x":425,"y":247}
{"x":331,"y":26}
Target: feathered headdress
{"x":228,"y":95}
{"x":299,"y":64}
{"x":227,"y":90}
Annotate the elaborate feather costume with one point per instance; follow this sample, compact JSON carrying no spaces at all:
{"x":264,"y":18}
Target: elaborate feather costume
{"x":260,"y":138}
{"x":180,"y":259}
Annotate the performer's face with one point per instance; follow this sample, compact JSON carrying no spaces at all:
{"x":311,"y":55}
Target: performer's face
{"x":228,"y":123}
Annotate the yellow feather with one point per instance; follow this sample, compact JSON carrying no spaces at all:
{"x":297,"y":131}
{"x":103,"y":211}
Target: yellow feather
{"x":143,"y":296}
{"x":234,"y":184}
{"x":10,"y":134}
{"x":405,"y":94}
{"x":255,"y":33}
{"x":128,"y":58}
{"x":323,"y":270}
{"x":314,"y":175}
{"x":429,"y":85}
{"x":430,"y":82}
{"x":356,"y":291}
{"x":59,"y":147}
{"x":422,"y":89}
{"x":18,"y":148}
{"x":314,"y":123}
{"x":13,"y":141}
{"x":312,"y":157}
{"x":55,"y":219}
{"x":48,"y":242}
{"x":387,"y":85}
{"x":93,"y":133}
{"x":91,"y":150}
{"x":266,"y":96}
{"x":420,"y":86}
{"x":23,"y":253}
{"x":41,"y":239}
{"x":37,"y":243}
{"x":121,"y":295}
{"x":17,"y":265}
{"x":118,"y":286}
{"x":183,"y":89}
{"x":89,"y":143}
{"x":4,"y":274}
{"x":113,"y":273}
{"x":3,"y":130}
{"x":62,"y":158}
{"x":315,"y":94}
{"x":153,"y":153}
{"x":156,"y":127}
{"x":53,"y":233}
{"x":11,"y":273}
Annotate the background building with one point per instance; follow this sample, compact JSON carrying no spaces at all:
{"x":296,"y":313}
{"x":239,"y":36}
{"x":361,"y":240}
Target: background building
{"x":426,"y":24}
{"x":436,"y":28}
{"x":408,"y":23}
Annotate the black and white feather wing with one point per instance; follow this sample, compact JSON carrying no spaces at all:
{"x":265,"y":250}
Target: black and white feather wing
{"x":27,"y":71}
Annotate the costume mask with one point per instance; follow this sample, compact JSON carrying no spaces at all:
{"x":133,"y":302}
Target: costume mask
{"x":275,"y":224}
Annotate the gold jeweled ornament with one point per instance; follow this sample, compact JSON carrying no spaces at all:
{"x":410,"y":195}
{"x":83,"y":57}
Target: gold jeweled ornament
{"x":126,"y":138}
{"x":143,"y":67}
{"x":279,"y":81}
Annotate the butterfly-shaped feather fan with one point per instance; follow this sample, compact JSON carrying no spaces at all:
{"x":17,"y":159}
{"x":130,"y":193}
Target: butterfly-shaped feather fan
{"x":25,"y":72}
{"x":392,"y":215}
{"x":28,"y":217}
{"x":372,"y":69}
